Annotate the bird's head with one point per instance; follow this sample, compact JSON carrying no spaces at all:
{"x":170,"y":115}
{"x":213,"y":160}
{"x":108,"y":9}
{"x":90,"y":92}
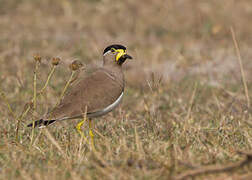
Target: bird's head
{"x":116,"y":54}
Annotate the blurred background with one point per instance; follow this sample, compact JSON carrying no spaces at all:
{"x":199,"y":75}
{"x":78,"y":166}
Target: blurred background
{"x":185,"y":78}
{"x":175,"y":38}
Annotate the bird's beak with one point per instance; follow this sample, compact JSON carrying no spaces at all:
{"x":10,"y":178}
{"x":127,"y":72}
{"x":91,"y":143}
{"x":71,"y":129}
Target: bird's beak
{"x":126,"y":56}
{"x":123,"y":58}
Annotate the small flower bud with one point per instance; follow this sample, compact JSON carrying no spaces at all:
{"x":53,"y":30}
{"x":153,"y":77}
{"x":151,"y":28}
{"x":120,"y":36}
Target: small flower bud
{"x":75,"y":65}
{"x":28,"y":104}
{"x":37,"y":58}
{"x":55,"y":61}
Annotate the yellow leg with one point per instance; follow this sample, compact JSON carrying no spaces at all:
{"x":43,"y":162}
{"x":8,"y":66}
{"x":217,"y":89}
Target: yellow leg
{"x":91,"y":134}
{"x":78,"y":127}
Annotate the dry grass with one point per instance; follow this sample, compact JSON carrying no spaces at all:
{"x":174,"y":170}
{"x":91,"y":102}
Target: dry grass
{"x":185,"y":106}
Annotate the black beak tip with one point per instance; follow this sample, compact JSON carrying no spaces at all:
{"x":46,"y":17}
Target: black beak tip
{"x":127,"y":56}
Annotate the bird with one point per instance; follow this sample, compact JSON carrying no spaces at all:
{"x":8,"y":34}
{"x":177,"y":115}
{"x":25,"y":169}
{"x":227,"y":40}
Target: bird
{"x":93,"y":94}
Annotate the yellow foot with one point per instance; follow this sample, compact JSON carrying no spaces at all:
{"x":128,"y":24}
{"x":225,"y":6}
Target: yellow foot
{"x":78,"y":127}
{"x":80,"y":124}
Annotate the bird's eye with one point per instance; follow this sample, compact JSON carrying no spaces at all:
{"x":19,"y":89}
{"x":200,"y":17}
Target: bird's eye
{"x":113,"y":50}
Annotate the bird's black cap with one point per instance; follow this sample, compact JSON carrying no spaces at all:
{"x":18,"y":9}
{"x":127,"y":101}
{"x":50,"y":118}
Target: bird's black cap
{"x":116,"y":46}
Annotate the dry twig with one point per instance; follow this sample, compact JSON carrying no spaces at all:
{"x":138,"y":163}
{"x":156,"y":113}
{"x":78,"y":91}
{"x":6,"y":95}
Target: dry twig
{"x":241,"y":66}
{"x":217,"y":169}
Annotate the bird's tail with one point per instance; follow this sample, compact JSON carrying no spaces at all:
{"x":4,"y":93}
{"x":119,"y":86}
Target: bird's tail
{"x":41,"y":123}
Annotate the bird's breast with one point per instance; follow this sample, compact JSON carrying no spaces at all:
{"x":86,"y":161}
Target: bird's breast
{"x":107,"y":109}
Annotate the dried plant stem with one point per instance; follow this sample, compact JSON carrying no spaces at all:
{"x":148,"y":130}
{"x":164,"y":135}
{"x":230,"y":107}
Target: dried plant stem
{"x":55,"y":143}
{"x":34,"y":97}
{"x":29,"y":107}
{"x":17,"y":128}
{"x":25,"y":113}
{"x":32,"y":135}
{"x":48,"y":79}
{"x":138,"y":143}
{"x":190,"y":106}
{"x":20,"y":119}
{"x":191,"y":102}
{"x":241,"y":66}
{"x":35,"y":85}
{"x":216,"y":169}
{"x":66,"y":86}
{"x":2,"y":95}
{"x":41,"y":91}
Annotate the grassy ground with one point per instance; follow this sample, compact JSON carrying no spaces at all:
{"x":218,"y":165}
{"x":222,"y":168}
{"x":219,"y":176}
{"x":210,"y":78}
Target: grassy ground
{"x":185,"y":106}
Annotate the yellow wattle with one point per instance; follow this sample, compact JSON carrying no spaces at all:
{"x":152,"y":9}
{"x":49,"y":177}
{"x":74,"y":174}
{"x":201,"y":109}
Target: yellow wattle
{"x":120,"y":52}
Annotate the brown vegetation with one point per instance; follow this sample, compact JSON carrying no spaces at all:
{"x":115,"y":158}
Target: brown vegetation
{"x":187,"y":107}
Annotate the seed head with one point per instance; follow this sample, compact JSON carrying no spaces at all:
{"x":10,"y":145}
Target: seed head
{"x":28,"y":104}
{"x":55,"y":61}
{"x":37,"y":58}
{"x":75,"y":65}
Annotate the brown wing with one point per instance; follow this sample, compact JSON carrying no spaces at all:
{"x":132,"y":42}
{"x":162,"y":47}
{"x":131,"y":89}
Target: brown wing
{"x":95,"y":92}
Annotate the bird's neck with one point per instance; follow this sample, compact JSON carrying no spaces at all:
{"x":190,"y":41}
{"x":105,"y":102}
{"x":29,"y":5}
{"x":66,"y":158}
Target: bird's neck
{"x":112,"y":66}
{"x":115,"y":70}
{"x":109,"y":63}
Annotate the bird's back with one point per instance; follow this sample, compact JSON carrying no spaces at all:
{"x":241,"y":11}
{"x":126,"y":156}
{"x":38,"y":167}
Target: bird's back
{"x":92,"y":93}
